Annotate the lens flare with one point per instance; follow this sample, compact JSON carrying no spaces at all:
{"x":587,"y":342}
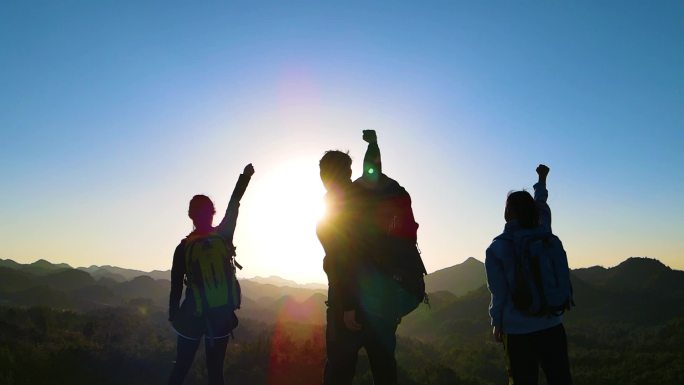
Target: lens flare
{"x":298,"y":341}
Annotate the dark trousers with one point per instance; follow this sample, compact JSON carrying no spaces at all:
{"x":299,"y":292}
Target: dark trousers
{"x":378,"y":337}
{"x":186,"y":349}
{"x":546,"y":348}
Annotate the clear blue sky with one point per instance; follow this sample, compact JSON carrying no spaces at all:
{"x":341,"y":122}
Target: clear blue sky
{"x":113,"y":114}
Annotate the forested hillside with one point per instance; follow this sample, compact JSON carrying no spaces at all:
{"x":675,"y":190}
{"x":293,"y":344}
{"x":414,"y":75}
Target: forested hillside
{"x":66,"y":326}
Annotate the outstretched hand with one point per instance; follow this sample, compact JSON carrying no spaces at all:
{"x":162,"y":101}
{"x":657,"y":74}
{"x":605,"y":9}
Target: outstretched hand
{"x":249,"y":170}
{"x":370,"y":136}
{"x":543,"y":172}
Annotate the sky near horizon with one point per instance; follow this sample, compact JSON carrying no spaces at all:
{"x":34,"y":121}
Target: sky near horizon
{"x":113,"y":114}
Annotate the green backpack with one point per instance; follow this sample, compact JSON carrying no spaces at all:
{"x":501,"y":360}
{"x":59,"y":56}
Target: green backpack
{"x":210,"y":271}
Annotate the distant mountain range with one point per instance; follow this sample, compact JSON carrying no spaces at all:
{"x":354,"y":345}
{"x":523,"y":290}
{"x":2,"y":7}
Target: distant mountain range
{"x":39,"y":267}
{"x":636,"y":275}
{"x":278,"y":281}
{"x":637,"y":291}
{"x":60,"y":286}
{"x":120,"y":274}
{"x":458,"y":279}
{"x":42,"y":267}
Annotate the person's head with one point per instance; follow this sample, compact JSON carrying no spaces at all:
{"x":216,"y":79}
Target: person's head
{"x":201,"y":211}
{"x":335,"y":169}
{"x":521,"y":207}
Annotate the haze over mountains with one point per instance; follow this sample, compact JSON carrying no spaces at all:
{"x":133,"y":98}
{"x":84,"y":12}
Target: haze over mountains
{"x":278,"y":281}
{"x":639,"y":291}
{"x":626,"y":328}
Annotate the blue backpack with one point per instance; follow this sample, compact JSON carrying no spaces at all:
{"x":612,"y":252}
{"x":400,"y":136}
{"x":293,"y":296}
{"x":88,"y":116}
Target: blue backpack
{"x":542,"y":277}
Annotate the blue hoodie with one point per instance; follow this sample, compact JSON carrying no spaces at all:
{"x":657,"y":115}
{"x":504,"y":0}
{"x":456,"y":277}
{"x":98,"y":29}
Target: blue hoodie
{"x":499,"y":263}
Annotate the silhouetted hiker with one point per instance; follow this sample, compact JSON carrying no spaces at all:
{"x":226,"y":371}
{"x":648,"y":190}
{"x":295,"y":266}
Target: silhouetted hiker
{"x":390,"y":242}
{"x":367,"y":223}
{"x":204,"y":260}
{"x":528,"y":277}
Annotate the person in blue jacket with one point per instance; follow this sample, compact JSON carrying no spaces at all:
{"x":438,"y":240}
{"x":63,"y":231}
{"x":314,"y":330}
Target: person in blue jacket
{"x":529,"y":341}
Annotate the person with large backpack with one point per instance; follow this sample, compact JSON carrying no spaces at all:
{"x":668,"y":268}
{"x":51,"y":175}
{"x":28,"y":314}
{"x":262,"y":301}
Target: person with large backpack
{"x":205,"y":262}
{"x":375,"y":273}
{"x":529,"y":280}
{"x":390,"y":242}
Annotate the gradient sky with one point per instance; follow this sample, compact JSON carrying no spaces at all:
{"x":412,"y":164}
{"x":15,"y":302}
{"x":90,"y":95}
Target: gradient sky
{"x":113,"y":114}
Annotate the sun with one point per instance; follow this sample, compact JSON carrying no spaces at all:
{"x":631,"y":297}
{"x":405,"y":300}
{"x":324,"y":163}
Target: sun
{"x":279,"y":220}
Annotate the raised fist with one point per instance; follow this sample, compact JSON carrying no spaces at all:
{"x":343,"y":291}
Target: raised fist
{"x":370,"y":136}
{"x":542,"y":171}
{"x":249,"y":170}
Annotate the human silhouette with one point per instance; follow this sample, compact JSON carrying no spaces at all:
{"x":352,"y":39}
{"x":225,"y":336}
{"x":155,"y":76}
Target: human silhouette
{"x":365,"y":223}
{"x":530,"y":339}
{"x":204,"y":260}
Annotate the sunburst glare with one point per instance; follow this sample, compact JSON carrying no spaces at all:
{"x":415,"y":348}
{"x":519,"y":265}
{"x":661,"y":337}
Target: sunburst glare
{"x":282,"y":224}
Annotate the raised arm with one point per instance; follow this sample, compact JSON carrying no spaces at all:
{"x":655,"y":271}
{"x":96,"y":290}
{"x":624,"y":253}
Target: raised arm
{"x":227,"y":226}
{"x":541,"y":194}
{"x":372,"y":164}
